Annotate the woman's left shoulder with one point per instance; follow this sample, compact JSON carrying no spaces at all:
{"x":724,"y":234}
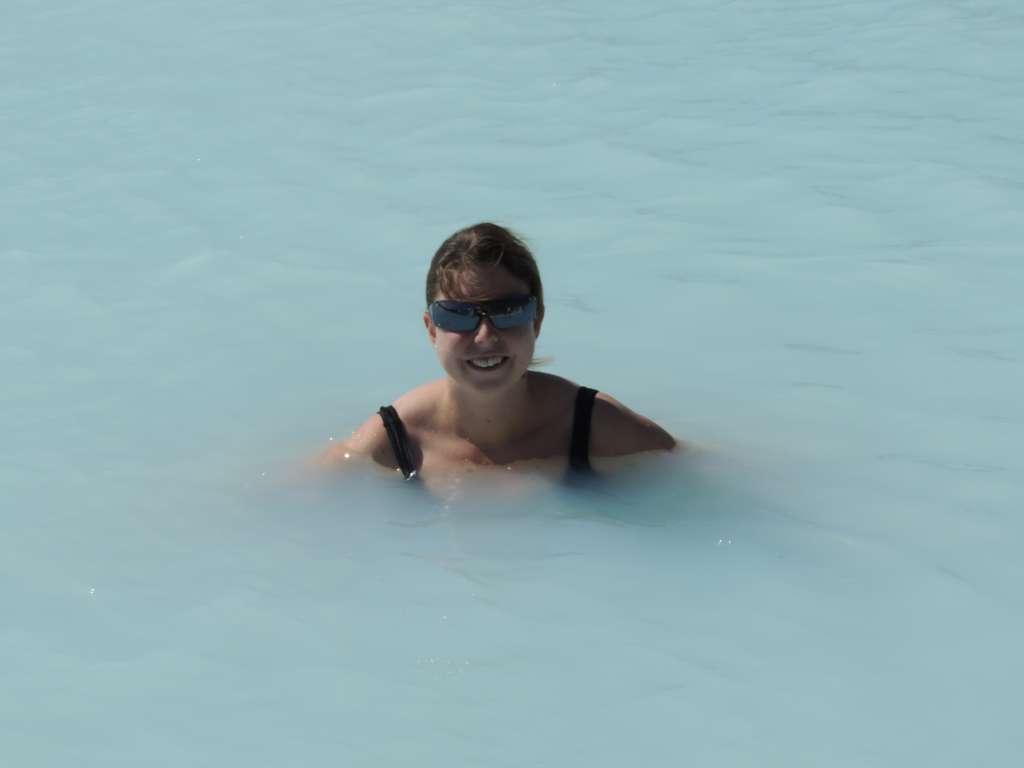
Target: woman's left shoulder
{"x":616,"y":430}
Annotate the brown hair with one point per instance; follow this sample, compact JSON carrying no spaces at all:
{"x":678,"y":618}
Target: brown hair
{"x":483,"y":245}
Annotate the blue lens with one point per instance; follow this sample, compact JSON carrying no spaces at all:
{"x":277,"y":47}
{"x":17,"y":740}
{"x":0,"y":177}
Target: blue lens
{"x":464,"y":316}
{"x":455,"y":316}
{"x":508,"y":313}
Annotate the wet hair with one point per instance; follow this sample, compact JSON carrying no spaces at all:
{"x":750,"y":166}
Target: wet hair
{"x":483,"y":245}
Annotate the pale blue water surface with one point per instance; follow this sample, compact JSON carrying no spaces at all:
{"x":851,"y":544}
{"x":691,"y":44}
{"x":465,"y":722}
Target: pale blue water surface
{"x":789,"y":231}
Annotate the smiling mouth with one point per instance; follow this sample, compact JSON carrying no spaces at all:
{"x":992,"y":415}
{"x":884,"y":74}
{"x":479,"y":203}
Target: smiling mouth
{"x":487,"y":363}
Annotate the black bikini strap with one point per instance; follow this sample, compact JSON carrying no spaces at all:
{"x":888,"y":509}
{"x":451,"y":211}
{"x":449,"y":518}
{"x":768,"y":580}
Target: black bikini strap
{"x":579,"y":449}
{"x":398,"y":439}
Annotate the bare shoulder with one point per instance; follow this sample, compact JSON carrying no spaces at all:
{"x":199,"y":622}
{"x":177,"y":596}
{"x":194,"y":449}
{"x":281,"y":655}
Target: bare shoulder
{"x":418,"y":406}
{"x":615,"y":430}
{"x":371,"y":439}
{"x":556,"y":392}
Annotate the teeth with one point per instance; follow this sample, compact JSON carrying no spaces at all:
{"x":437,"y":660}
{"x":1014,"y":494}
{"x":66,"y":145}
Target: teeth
{"x":486,"y":362}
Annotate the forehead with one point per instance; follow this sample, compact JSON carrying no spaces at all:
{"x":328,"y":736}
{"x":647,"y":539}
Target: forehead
{"x":481,"y":283}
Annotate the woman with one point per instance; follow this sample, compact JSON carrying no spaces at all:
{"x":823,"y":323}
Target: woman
{"x":485,"y":307}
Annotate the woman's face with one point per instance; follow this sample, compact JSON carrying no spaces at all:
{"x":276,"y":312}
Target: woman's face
{"x":468,"y":358}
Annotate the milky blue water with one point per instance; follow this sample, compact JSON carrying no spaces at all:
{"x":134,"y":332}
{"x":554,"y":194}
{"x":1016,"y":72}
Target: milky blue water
{"x":788,"y":231}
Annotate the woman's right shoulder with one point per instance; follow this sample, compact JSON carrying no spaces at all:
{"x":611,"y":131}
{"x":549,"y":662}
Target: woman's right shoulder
{"x":370,"y":440}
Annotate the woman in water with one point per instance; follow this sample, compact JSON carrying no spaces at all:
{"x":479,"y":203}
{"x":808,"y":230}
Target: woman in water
{"x":485,"y":307}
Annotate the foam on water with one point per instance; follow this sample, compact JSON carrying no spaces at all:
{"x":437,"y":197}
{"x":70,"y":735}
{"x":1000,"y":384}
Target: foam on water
{"x":788,"y":231}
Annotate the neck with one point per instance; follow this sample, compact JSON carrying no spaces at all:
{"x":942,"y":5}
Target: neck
{"x":489,"y":419}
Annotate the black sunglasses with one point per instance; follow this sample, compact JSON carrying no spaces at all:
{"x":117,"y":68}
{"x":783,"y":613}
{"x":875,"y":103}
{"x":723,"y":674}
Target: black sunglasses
{"x":465,"y":316}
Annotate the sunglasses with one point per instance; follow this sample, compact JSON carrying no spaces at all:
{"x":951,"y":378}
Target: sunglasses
{"x":465,"y":316}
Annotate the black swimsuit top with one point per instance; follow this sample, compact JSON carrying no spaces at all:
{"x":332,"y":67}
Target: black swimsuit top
{"x":579,"y":447}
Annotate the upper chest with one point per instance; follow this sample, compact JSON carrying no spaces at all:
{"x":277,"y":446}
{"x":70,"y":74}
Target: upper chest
{"x":548,"y":443}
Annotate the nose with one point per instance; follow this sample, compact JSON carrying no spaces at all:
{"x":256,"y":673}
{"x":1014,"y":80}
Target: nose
{"x":485,"y":332}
